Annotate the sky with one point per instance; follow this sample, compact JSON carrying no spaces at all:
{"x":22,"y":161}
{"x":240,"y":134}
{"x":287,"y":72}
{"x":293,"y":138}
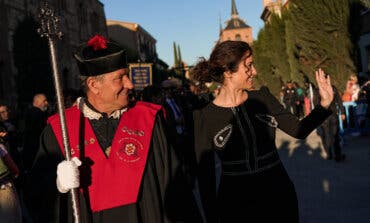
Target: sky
{"x":192,"y":24}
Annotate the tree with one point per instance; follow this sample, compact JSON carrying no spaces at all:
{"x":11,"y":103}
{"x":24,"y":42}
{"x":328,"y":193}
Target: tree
{"x":262,"y":58}
{"x":279,"y":57}
{"x":322,"y":34}
{"x":176,"y":59}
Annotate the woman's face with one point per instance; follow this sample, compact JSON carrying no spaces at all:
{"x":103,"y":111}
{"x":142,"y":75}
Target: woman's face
{"x":243,"y":78}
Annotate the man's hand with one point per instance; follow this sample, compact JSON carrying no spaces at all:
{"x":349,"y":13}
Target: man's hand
{"x":68,"y":175}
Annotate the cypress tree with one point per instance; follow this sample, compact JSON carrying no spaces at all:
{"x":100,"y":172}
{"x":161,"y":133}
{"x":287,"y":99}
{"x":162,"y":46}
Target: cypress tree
{"x":179,"y":56}
{"x":175,"y":54}
{"x":291,"y":49}
{"x":262,"y":58}
{"x":322,"y":31}
{"x":279,"y":57}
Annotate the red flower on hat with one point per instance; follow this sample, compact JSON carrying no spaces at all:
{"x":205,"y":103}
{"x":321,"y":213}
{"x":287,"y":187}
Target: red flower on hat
{"x":98,"y":42}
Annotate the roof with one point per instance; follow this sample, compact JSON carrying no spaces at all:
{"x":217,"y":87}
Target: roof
{"x":236,"y":23}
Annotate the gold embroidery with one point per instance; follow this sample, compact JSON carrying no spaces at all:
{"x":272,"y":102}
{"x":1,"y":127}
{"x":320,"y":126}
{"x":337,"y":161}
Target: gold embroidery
{"x":92,"y":141}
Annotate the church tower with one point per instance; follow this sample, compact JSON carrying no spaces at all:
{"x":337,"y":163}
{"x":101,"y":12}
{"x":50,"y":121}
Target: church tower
{"x":236,"y":28}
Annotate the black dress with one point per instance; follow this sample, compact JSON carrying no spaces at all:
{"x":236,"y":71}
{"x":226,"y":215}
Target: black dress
{"x":241,"y":177}
{"x":163,"y":196}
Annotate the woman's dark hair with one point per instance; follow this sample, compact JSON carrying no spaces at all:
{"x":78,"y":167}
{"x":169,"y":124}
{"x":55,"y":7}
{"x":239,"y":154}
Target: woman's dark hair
{"x":226,"y":56}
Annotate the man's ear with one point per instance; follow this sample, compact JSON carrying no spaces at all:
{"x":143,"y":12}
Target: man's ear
{"x":92,"y":84}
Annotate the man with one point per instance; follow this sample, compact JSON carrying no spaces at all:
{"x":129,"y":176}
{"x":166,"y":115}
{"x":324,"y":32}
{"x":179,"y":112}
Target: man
{"x":330,"y":130}
{"x":34,"y":123}
{"x":290,"y":98}
{"x":127,"y":170}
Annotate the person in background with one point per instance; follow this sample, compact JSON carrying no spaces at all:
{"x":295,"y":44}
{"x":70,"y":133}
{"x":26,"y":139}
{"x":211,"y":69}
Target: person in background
{"x":13,"y":134}
{"x":300,"y":100}
{"x":34,"y":123}
{"x":291,"y":98}
{"x":241,"y":177}
{"x":352,"y":89}
{"x":10,"y":209}
{"x":330,"y":130}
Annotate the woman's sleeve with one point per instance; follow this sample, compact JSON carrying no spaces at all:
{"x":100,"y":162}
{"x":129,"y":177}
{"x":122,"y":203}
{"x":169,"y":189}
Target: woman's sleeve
{"x":289,"y":123}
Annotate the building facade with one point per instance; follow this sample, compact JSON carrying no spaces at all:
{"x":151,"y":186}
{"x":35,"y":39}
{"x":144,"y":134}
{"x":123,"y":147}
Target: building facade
{"x":79,"y":20}
{"x":272,"y":7}
{"x":236,"y":28}
{"x":134,"y":38}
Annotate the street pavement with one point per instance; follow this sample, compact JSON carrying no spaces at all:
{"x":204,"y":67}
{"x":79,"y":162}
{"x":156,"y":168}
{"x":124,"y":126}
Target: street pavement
{"x":328,"y":192}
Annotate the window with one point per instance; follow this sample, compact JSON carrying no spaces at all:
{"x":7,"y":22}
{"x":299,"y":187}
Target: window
{"x":237,"y":37}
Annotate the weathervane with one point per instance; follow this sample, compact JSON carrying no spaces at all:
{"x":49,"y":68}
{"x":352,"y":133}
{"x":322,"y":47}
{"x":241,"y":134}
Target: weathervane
{"x":49,"y":28}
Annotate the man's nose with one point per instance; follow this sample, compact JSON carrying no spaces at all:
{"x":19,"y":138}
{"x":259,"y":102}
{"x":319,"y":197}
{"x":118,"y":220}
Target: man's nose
{"x":127,"y":83}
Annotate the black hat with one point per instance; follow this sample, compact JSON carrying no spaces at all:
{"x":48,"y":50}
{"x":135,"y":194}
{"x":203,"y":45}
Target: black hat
{"x":98,"y":56}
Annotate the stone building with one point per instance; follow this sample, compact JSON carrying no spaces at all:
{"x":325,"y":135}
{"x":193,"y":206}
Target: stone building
{"x":20,"y":76}
{"x":135,"y":38}
{"x":272,"y":6}
{"x":236,"y":28}
{"x":140,"y":46}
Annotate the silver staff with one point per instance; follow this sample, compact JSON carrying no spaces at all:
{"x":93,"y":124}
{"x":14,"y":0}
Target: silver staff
{"x":49,"y":29}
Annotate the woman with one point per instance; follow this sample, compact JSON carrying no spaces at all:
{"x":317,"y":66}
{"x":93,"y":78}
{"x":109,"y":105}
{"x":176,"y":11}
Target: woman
{"x":241,"y":177}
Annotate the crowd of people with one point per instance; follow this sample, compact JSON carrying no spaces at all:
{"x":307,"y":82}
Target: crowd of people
{"x":300,"y":102}
{"x":169,"y":153}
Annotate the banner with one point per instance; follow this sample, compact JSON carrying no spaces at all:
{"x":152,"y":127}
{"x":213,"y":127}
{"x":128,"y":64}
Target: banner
{"x":141,"y":75}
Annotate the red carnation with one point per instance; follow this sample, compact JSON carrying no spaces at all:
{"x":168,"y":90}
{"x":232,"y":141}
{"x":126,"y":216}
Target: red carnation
{"x":98,"y":42}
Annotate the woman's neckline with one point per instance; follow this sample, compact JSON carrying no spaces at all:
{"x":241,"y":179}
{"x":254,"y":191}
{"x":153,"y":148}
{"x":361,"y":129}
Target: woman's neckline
{"x":233,"y":106}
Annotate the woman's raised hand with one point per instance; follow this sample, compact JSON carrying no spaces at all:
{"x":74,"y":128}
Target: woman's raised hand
{"x":325,"y":88}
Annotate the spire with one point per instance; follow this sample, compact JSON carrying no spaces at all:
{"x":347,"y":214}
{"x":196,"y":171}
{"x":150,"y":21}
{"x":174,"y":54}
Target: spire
{"x":234,"y":11}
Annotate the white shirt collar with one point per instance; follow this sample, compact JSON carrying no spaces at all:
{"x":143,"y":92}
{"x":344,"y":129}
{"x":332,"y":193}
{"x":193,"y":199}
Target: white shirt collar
{"x":91,"y":114}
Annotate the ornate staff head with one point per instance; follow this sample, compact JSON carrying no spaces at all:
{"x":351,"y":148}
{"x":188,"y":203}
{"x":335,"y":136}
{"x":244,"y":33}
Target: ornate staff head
{"x":49,"y":22}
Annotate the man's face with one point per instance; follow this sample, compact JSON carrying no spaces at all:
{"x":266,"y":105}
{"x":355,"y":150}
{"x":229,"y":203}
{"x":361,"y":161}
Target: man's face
{"x":4,"y":113}
{"x":42,"y":102}
{"x":112,"y":90}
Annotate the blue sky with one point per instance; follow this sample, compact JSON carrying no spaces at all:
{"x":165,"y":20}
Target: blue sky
{"x":193,"y":24}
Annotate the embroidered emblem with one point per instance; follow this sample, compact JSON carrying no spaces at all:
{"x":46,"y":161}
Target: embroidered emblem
{"x":222,"y":136}
{"x":132,"y":132}
{"x":267,"y":119}
{"x":130,"y":150}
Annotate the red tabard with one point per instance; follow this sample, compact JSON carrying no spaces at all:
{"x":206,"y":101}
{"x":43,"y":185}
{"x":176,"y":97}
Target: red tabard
{"x":116,"y":179}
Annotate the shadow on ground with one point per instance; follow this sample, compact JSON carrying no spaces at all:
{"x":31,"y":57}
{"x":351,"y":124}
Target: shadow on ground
{"x":328,"y":192}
